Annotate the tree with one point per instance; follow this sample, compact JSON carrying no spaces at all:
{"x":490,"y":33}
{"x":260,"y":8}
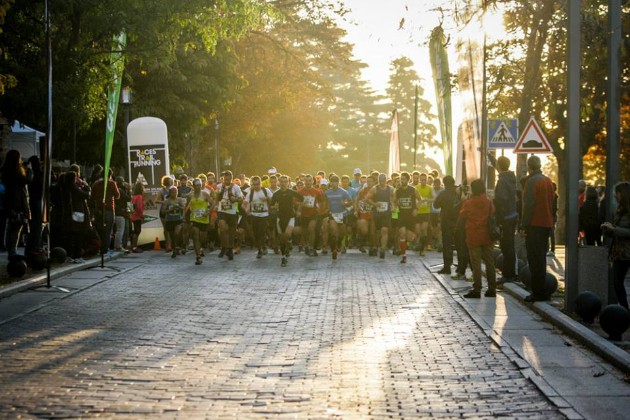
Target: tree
{"x":401,"y":90}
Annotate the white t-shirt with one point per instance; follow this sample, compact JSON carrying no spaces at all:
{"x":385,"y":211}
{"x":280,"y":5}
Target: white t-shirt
{"x":258,"y":206}
{"x":224,"y":204}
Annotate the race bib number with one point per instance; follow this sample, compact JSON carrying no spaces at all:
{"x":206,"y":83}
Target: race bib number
{"x":337,"y":217}
{"x":226,"y":204}
{"x":382,"y":206}
{"x":405,"y":203}
{"x":309,"y":201}
{"x":365,"y":207}
{"x":258,"y":207}
{"x":200,"y":213}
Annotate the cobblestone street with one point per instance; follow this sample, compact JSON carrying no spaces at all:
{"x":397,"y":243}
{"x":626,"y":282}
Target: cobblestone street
{"x":352,"y":338}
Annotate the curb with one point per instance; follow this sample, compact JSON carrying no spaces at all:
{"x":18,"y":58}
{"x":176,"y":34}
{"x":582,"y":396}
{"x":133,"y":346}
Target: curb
{"x":39,"y":280}
{"x":593,"y":341}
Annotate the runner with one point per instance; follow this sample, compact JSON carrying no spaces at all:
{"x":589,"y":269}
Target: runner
{"x":173,"y":211}
{"x":435,"y":230}
{"x":406,"y":199}
{"x":198,"y":207}
{"x":285,"y":198}
{"x":167,"y":183}
{"x":314,"y":201}
{"x":228,"y":195}
{"x":256,"y":203}
{"x":381,"y":196}
{"x":338,"y":199}
{"x":365,"y":219}
{"x":351,"y":220}
{"x":424,"y":209}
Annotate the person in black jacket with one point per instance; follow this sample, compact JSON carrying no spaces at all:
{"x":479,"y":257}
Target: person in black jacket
{"x":506,"y":215}
{"x":36,"y":205}
{"x":446,"y":201}
{"x":589,"y":218}
{"x":74,"y":197}
{"x":16,"y":176}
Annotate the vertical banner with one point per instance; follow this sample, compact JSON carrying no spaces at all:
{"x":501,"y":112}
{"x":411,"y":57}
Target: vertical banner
{"x":117,"y":65}
{"x":394,"y":146}
{"x":441,"y":80}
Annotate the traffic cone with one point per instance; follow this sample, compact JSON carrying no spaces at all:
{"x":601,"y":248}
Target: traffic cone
{"x":156,"y":246}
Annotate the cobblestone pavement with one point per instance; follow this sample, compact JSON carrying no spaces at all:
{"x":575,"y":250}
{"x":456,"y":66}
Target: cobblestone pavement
{"x":354,"y":338}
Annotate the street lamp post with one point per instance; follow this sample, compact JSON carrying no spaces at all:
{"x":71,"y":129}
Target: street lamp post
{"x":125,"y":95}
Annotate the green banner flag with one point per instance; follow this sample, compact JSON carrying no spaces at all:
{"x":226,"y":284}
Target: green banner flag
{"x":441,"y":80}
{"x":118,"y":65}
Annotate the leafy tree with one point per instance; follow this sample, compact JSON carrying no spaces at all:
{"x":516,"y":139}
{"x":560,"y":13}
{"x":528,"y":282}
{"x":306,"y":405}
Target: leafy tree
{"x":401,"y":91}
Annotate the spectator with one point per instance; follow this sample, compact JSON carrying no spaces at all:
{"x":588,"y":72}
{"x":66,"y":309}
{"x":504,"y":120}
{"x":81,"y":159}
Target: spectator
{"x":463,"y":258}
{"x":104,"y":205}
{"x":75,"y":215}
{"x":446,"y":203}
{"x":121,"y":213}
{"x":552,"y":234}
{"x":16,"y":176}
{"x":537,"y":222}
{"x":619,"y":230}
{"x":475,"y":213}
{"x":506,"y":215}
{"x":36,"y":204}
{"x":589,"y":218}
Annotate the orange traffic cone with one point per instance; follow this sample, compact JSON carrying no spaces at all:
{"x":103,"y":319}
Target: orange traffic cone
{"x":156,"y":246}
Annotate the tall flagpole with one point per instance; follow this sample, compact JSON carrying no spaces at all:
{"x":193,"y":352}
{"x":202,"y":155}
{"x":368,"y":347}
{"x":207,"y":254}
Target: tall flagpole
{"x":48,"y":143}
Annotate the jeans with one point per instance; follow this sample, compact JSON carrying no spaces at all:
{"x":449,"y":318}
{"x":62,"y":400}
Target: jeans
{"x":506,"y":243}
{"x":478,"y":253}
{"x":120,"y":232}
{"x":536,"y":242}
{"x":448,"y":241}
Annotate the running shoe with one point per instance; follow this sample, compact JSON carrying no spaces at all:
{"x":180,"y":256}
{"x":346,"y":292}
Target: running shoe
{"x":259,"y":254}
{"x":198,"y":261}
{"x":362,"y":250}
{"x":222,"y":253}
{"x":284,"y":262}
{"x":403,"y":260}
{"x":458,"y":276}
{"x":334,"y":254}
{"x":230,"y":254}
{"x":381,"y":254}
{"x":174,"y":254}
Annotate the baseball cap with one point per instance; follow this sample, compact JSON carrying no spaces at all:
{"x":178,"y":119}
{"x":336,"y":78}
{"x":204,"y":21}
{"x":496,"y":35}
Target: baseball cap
{"x":357,"y":171}
{"x":323,"y":181}
{"x":197,"y":181}
{"x":272,"y":170}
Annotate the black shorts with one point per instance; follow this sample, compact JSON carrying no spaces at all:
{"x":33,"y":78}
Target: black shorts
{"x":230,"y":219}
{"x":136,"y":227}
{"x":381,"y":221}
{"x":406,"y":220}
{"x":201,"y":226}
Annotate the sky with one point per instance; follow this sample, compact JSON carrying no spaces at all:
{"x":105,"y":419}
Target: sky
{"x":374,"y":27}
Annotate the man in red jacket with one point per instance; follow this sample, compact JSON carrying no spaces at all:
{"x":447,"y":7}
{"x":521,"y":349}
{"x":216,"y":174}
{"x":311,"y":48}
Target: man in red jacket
{"x":536,"y":222}
{"x":475,"y":213}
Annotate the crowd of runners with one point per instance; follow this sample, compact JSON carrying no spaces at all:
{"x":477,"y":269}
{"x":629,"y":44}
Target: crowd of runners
{"x":322,"y":214}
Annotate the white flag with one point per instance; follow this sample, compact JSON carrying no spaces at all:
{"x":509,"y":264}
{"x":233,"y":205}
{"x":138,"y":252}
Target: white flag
{"x":394,"y":148}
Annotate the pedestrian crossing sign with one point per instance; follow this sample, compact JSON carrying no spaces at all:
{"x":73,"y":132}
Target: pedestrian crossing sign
{"x":533,"y":140}
{"x":502,"y":133}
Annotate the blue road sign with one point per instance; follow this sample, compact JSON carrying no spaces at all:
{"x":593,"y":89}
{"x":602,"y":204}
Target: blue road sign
{"x":502,"y":133}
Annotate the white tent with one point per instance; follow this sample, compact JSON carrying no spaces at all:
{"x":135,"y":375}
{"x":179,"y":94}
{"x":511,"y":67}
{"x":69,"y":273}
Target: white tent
{"x":24,"y":139}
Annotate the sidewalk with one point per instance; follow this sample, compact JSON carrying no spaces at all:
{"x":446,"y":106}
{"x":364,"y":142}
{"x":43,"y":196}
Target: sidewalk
{"x":567,"y":375}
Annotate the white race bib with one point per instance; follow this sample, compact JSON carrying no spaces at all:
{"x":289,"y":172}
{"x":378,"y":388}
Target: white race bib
{"x":337,"y":217}
{"x":309,"y":201}
{"x":382,"y":206}
{"x":226,"y":204}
